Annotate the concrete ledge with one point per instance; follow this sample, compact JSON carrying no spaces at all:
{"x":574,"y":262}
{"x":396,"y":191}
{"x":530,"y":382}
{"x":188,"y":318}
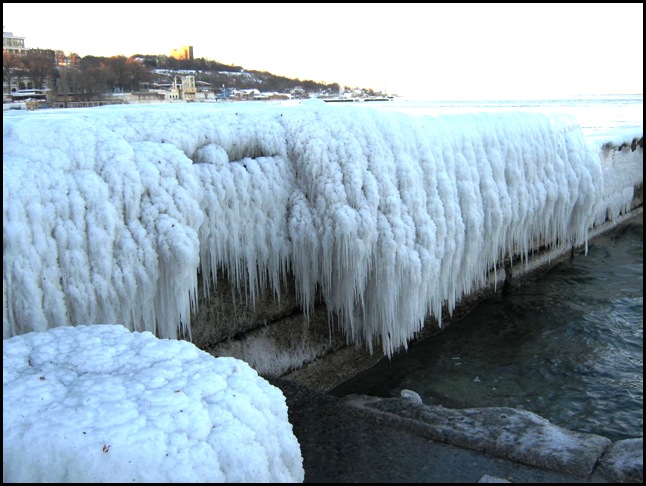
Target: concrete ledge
{"x":517,"y":435}
{"x":344,"y":441}
{"x":624,"y":461}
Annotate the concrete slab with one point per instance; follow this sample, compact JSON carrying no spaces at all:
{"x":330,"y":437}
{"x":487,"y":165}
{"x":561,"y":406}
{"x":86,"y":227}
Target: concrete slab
{"x":357,"y":440}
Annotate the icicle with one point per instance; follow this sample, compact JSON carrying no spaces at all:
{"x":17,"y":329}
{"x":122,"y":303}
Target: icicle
{"x":388,"y":216}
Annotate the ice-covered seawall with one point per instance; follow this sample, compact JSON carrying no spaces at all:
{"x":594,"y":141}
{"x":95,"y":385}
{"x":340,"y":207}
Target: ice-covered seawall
{"x":108,"y":214}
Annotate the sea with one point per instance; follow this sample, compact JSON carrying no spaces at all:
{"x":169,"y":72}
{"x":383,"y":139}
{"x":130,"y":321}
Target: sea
{"x":569,"y":346}
{"x":598,"y":115}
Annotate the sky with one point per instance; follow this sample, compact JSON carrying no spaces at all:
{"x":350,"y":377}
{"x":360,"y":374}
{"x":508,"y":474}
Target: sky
{"x":418,"y":51}
{"x":102,"y":404}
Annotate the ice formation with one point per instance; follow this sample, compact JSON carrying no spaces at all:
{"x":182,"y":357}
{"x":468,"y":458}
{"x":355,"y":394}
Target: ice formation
{"x":109,"y":213}
{"x":102,"y":404}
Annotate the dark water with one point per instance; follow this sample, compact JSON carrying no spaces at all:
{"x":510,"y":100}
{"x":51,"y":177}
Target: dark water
{"x":568,"y":347}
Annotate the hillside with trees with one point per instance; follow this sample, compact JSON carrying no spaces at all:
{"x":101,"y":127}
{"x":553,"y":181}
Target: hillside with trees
{"x":93,"y":77}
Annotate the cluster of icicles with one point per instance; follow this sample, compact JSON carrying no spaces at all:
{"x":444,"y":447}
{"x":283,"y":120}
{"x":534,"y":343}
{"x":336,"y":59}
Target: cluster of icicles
{"x":110,"y":213}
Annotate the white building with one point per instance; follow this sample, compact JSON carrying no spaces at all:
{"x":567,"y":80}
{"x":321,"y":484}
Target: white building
{"x":12,"y":43}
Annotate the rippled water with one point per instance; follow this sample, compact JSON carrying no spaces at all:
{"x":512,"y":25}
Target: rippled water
{"x":569,"y":347}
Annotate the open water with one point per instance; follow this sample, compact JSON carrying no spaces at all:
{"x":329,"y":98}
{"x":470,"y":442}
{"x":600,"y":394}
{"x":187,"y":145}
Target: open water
{"x":569,"y":346}
{"x":598,"y":115}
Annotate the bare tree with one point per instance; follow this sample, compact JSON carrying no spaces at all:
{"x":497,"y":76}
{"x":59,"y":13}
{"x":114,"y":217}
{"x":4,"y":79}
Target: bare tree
{"x":75,"y":81}
{"x":139,"y":73}
{"x":63,"y":86}
{"x":128,"y":72}
{"x":120,"y":70}
{"x":11,"y":64}
{"x":95,"y":80}
{"x":40,"y":65}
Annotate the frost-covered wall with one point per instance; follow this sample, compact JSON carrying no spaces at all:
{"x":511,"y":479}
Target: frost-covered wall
{"x":622,"y":161}
{"x":110,"y":214}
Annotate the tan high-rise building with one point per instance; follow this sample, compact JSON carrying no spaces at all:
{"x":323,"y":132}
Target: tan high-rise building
{"x":184,"y":53}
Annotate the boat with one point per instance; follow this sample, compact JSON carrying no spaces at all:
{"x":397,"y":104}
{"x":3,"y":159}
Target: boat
{"x":379,"y":98}
{"x":340,"y":100}
{"x":358,"y":99}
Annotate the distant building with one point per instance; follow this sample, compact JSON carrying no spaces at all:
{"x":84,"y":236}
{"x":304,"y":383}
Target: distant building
{"x":182,"y":88}
{"x":184,"y":53}
{"x":12,"y":43}
{"x":63,"y":59}
{"x":189,"y":89}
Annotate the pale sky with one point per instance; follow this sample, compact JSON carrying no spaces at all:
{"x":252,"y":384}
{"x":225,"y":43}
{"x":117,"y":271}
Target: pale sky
{"x":431,"y":51}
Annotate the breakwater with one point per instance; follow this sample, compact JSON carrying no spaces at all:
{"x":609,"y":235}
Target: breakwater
{"x":282,"y":234}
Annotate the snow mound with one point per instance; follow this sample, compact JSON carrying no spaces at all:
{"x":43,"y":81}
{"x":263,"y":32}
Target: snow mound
{"x":102,"y":404}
